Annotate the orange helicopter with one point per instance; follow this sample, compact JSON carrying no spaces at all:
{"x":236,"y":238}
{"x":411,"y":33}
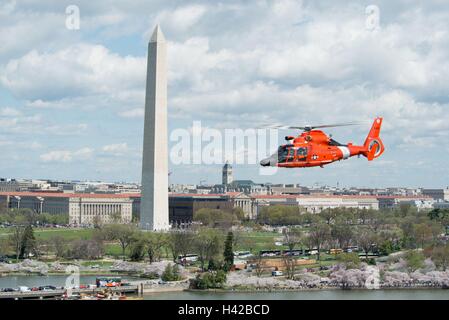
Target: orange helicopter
{"x":314,"y":148}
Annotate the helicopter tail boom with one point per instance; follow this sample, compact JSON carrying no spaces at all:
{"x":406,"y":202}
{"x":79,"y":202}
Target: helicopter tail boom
{"x":373,"y":144}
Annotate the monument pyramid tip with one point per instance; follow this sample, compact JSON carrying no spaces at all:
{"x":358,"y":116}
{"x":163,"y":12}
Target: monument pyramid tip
{"x":157,"y":34}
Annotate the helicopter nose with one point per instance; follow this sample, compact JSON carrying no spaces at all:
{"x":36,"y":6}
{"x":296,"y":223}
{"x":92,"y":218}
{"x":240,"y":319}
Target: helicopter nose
{"x":265,"y":162}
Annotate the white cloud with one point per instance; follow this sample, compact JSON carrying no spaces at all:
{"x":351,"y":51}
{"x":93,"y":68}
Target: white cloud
{"x":13,"y":120}
{"x":81,"y":69}
{"x":116,"y":149}
{"x":67,"y":155}
{"x":9,"y":112}
{"x":182,"y":17}
{"x":132,"y":113}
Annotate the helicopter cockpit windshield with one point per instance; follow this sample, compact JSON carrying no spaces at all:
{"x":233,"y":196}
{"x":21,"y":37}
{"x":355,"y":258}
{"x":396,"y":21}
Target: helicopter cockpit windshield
{"x":282,"y":153}
{"x":285,"y":153}
{"x":289,"y":153}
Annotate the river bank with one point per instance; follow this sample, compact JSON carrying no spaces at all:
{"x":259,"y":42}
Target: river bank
{"x":338,"y":277}
{"x":180,"y":290}
{"x":324,"y":288}
{"x":113,"y":268}
{"x":394,"y":294}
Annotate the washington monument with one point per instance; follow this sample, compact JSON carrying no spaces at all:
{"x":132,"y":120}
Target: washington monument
{"x":154,"y":202}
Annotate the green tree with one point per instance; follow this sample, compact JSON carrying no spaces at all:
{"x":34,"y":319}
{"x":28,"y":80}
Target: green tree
{"x":364,"y":215}
{"x":280,"y":215}
{"x":440,"y":256}
{"x":123,"y":233}
{"x":208,"y":245}
{"x":415,"y":260}
{"x":137,"y":247}
{"x":405,"y":209}
{"x":85,"y":249}
{"x":350,"y":260}
{"x":289,"y":266}
{"x":386,"y":247}
{"x":215,"y":217}
{"x":16,"y":240}
{"x":292,"y":237}
{"x":342,"y":233}
{"x":238,"y":213}
{"x":59,"y":245}
{"x":154,"y":242}
{"x":210,"y":280}
{"x":318,"y":235}
{"x":377,"y":220}
{"x":366,"y":239}
{"x":5,"y":248}
{"x":422,"y":233}
{"x":181,"y":243}
{"x":228,"y":253}
{"x":407,"y":226}
{"x":328,"y":215}
{"x":171,"y":273}
{"x":28,"y":242}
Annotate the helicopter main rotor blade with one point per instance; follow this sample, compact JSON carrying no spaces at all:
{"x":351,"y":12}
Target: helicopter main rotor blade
{"x":337,"y":125}
{"x":273,"y":126}
{"x":308,"y":128}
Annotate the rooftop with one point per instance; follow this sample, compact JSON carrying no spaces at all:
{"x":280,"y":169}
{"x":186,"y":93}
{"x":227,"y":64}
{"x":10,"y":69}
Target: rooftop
{"x":199,"y":195}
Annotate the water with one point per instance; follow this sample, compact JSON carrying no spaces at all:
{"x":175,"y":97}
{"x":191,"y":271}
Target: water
{"x":36,"y":281}
{"x":407,"y":294}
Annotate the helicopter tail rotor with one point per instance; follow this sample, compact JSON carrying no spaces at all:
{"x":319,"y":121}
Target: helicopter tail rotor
{"x":373,"y":144}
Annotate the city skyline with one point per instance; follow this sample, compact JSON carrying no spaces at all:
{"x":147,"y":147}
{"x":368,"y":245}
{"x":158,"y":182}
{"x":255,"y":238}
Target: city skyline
{"x":71,"y":100}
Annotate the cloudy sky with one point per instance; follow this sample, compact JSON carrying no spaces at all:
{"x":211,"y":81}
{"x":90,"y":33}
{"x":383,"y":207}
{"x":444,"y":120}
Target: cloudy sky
{"x":71,"y":101}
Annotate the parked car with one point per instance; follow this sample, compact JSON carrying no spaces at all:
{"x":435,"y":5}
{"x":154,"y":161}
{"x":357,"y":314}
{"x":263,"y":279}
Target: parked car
{"x":47,"y":288}
{"x":277,"y":273}
{"x":8,"y":290}
{"x":24,"y":289}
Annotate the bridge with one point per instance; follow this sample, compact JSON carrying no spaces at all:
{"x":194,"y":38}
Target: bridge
{"x":51,"y":294}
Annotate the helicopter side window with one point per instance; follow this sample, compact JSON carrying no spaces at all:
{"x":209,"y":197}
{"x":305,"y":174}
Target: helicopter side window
{"x":332,"y":142}
{"x":302,"y":152}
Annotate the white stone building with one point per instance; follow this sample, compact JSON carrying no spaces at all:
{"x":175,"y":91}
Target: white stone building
{"x":82,"y":208}
{"x":314,"y":203}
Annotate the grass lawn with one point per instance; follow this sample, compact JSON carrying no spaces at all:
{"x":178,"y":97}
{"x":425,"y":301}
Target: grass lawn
{"x":68,"y":234}
{"x":113,"y":249}
{"x":4,"y":232}
{"x":258,"y":240}
{"x":254,"y":241}
{"x":48,"y":233}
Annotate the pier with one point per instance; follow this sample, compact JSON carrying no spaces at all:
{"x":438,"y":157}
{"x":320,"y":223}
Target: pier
{"x":51,"y":294}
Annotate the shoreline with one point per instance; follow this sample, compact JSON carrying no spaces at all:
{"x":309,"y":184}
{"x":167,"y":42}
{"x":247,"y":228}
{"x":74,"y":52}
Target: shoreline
{"x":249,"y":289}
{"x":62,"y":273}
{"x":230,"y":290}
